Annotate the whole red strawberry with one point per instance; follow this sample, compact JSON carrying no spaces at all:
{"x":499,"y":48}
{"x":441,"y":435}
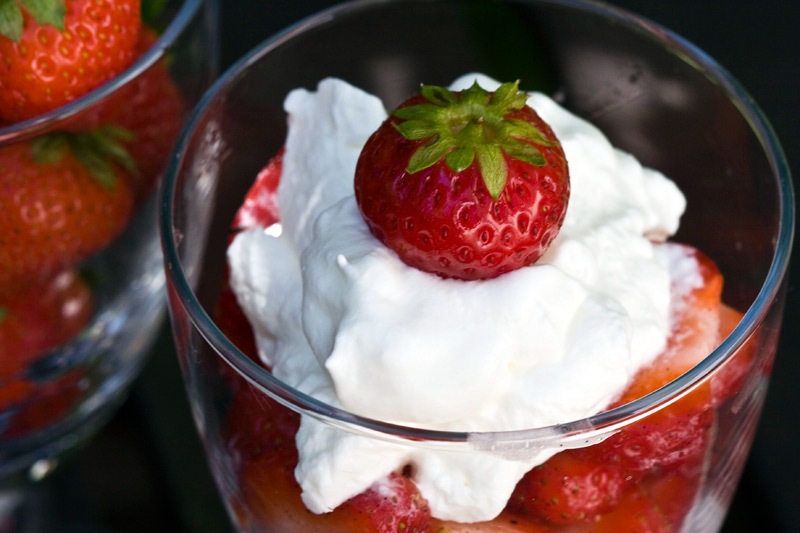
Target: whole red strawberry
{"x":466,"y":185}
{"x":150,"y":108}
{"x":56,"y":51}
{"x":63,"y":197}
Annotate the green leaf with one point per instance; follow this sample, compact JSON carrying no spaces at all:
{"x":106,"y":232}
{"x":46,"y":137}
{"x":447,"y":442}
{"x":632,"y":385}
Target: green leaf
{"x":438,"y":95}
{"x":493,"y":168}
{"x":526,"y":152}
{"x":525,"y":130}
{"x":106,"y":143}
{"x":507,"y":98}
{"x":419,"y":111}
{"x":416,"y":129}
{"x":47,"y":12}
{"x":49,"y":148}
{"x":460,"y":158}
{"x":429,"y":154}
{"x":151,"y":10}
{"x":475,"y":95}
{"x":10,"y":20}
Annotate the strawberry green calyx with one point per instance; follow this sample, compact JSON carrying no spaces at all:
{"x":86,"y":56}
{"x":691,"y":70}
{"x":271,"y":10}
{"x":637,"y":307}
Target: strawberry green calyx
{"x":49,"y":12}
{"x":473,"y":123}
{"x":98,"y":150}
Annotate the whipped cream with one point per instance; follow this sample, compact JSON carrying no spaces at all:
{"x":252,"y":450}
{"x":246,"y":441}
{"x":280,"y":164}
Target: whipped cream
{"x":340,"y":317}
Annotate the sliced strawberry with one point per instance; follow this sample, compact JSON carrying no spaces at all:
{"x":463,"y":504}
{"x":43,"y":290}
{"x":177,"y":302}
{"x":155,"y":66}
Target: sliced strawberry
{"x":695,"y":322}
{"x":566,"y":489}
{"x":730,"y":377}
{"x":260,"y":433}
{"x":678,"y":434}
{"x":673,"y":494}
{"x":271,"y":501}
{"x":270,"y":497}
{"x":260,"y":206}
{"x":394,"y":504}
{"x":234,"y":324}
{"x":506,"y":522}
{"x":673,"y":437}
{"x":635,"y":513}
{"x":257,"y":425}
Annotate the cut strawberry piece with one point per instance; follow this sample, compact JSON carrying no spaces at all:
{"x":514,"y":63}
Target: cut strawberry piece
{"x":678,"y":434}
{"x":271,"y":501}
{"x":730,"y":377}
{"x":635,"y":513}
{"x":506,"y":522}
{"x":673,"y":437}
{"x":391,"y":505}
{"x":260,"y":206}
{"x":232,"y":321}
{"x":257,"y":425}
{"x":673,"y":495}
{"x":695,"y":322}
{"x":566,"y":489}
{"x":260,"y":433}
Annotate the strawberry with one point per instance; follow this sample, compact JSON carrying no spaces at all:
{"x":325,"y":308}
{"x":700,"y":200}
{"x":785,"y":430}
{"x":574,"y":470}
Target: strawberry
{"x":506,"y":522}
{"x":271,"y":502}
{"x":260,"y":433}
{"x":260,"y":206}
{"x":465,"y":185}
{"x":635,"y":513}
{"x":694,"y":326}
{"x":566,"y":489}
{"x":46,"y":404}
{"x":63,"y":196}
{"x":677,"y":435}
{"x":35,"y":321}
{"x":256,"y":424}
{"x":54,"y":52}
{"x":392,"y":505}
{"x":730,"y":377}
{"x":233,"y":323}
{"x":150,"y":108}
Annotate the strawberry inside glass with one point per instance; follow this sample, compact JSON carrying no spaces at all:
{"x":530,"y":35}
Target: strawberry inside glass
{"x":642,"y":478}
{"x":70,"y":187}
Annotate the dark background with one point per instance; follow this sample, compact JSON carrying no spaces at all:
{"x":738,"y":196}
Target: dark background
{"x":145,"y":470}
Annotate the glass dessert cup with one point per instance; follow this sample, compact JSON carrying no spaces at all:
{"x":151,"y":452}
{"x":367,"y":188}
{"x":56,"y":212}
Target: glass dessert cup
{"x":105,"y":311}
{"x":653,"y":94}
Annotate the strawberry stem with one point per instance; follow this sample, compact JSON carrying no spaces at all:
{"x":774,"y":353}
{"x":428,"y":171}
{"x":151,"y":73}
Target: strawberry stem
{"x":50,"y":12}
{"x":473,"y":124}
{"x":99,"y":150}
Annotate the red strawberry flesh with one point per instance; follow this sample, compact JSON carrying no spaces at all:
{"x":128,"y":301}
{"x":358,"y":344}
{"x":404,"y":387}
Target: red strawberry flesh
{"x":466,"y":185}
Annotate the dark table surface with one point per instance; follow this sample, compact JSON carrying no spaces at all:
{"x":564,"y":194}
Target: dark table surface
{"x":145,"y":470}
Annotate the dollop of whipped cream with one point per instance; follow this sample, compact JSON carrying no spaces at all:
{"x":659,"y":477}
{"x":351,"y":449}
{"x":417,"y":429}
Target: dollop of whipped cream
{"x":340,"y":317}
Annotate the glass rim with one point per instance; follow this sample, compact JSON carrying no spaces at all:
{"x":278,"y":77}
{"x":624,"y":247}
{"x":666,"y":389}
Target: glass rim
{"x":580,"y":431}
{"x":26,"y":129}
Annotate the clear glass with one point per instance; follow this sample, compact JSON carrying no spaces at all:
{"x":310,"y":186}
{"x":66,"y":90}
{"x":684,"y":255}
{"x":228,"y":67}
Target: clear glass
{"x":654,"y":94}
{"x":55,"y":398}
